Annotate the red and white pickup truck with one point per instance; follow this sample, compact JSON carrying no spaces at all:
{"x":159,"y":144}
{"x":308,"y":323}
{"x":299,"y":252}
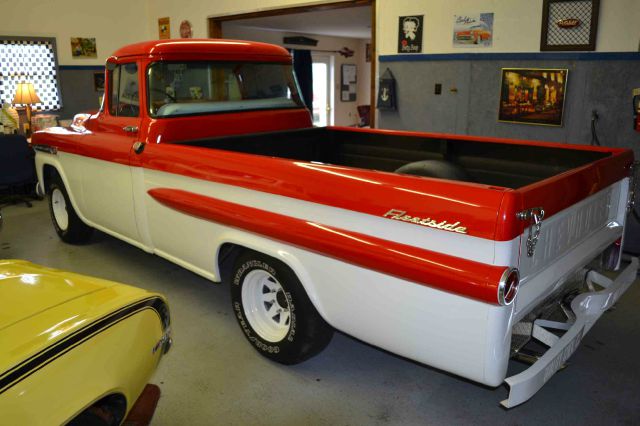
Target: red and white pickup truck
{"x":455,"y":251}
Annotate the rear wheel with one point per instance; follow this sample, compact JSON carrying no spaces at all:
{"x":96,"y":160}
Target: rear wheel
{"x":69,"y":227}
{"x":274,"y":311}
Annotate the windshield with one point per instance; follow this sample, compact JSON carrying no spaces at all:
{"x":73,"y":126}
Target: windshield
{"x":188,"y":88}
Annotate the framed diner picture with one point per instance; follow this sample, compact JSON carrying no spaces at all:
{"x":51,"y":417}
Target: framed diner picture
{"x":533,"y":96}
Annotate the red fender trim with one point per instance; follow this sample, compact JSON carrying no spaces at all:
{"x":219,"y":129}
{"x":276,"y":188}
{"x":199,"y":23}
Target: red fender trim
{"x":459,"y":276}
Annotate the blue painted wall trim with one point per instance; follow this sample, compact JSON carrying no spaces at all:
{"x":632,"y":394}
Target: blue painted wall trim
{"x":534,"y":56}
{"x":81,"y":67}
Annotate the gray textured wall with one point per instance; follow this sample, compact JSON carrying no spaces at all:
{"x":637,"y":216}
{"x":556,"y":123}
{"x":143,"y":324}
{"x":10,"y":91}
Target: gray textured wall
{"x":77,"y":90}
{"x":603,"y":85}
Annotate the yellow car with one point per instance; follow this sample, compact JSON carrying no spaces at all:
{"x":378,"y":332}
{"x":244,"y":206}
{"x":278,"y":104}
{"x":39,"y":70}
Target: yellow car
{"x":74,"y":349}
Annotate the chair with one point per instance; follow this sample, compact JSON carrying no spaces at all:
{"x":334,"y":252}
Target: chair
{"x":17,"y":170}
{"x":364,"y":113}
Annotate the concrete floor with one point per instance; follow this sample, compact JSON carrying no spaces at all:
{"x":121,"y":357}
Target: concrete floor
{"x":212,"y":376}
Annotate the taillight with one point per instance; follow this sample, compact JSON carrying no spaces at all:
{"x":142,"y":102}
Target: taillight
{"x":508,"y":286}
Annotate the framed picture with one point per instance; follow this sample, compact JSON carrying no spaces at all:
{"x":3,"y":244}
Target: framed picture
{"x":82,"y":48}
{"x":164,"y":28}
{"x":185,"y":29}
{"x":410,"y":34}
{"x":533,"y":96}
{"x":98,"y":81}
{"x":569,"y":24}
{"x":348,"y":80}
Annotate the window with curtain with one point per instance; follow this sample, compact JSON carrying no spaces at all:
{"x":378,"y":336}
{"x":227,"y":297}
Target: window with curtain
{"x":32,"y":60}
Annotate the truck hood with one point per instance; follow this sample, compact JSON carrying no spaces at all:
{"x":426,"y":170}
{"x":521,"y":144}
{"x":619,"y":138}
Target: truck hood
{"x":27,"y":289}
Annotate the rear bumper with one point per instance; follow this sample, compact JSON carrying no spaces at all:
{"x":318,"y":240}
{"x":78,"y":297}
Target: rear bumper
{"x":587,"y":307}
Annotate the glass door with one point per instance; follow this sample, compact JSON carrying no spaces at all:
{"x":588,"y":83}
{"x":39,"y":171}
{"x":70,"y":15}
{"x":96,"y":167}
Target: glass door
{"x":322,"y":93}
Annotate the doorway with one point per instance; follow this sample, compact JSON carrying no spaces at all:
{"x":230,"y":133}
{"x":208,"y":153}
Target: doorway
{"x":339,"y":19}
{"x":323,"y":97}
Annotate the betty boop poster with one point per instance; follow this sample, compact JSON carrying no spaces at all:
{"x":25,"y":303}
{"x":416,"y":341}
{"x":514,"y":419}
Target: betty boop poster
{"x":410,"y":34}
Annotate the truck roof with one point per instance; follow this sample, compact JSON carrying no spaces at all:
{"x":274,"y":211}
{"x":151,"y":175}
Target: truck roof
{"x":204,"y":47}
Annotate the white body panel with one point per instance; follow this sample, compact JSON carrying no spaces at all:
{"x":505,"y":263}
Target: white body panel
{"x":457,"y":334}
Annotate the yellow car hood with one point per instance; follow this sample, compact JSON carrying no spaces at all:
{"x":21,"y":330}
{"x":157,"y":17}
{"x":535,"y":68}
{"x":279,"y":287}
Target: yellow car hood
{"x":40,"y":306}
{"x":27,"y":290}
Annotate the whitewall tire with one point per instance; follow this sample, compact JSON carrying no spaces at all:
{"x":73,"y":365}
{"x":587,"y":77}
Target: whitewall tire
{"x":69,"y":227}
{"x":274,"y":311}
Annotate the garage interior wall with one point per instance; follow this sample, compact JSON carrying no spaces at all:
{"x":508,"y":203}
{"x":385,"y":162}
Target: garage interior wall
{"x":602,"y":85}
{"x":112,"y":25}
{"x":470,"y":77}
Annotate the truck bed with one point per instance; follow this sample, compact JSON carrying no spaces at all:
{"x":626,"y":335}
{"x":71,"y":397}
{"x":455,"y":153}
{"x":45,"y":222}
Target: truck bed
{"x":487,"y":162}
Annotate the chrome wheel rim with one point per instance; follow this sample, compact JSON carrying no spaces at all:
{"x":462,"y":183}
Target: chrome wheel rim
{"x":59,"y":207}
{"x":266,"y":305}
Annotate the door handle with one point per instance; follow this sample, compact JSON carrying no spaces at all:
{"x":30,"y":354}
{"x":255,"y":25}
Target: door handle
{"x":138,"y":147}
{"x":130,"y":129}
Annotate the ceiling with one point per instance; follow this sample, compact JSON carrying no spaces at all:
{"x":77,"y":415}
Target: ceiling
{"x":353,"y":22}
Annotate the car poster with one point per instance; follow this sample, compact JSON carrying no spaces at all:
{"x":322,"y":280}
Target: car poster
{"x":475,"y":30}
{"x":410,"y":34}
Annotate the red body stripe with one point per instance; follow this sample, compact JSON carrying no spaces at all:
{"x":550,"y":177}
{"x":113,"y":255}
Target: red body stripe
{"x":460,"y":276}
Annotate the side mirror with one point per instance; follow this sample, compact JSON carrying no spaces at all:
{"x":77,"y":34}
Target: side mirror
{"x":111,"y":66}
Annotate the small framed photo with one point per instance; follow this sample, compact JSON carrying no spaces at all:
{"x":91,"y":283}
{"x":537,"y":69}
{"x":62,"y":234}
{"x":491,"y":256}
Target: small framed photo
{"x":569,"y":25}
{"x":164,"y":28}
{"x":83,"y":48}
{"x":98,"y":81}
{"x":533,"y":96}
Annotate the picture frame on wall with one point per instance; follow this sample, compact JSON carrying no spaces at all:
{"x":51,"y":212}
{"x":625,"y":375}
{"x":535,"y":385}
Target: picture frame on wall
{"x":98,"y":81}
{"x":348,"y":82}
{"x":164,"y":28}
{"x":569,"y":25}
{"x":533,"y":96}
{"x":410,"y":30}
{"x":83,"y":47}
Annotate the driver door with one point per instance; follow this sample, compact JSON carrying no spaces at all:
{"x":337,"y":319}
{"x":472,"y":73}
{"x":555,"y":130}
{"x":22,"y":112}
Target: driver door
{"x":107,"y":182}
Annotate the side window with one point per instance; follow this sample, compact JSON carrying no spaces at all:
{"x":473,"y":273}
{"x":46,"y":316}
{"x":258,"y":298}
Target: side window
{"x":124,"y":99}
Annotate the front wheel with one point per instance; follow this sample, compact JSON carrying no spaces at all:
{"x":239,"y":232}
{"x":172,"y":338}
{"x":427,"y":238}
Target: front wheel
{"x":69,"y":227}
{"x":274,"y":311}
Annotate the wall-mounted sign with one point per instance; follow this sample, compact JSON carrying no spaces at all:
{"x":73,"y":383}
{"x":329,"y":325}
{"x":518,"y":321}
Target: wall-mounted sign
{"x":387,"y":91}
{"x":569,"y":25}
{"x":185,"y":29}
{"x":473,"y":30}
{"x":164,"y":28}
{"x":410,"y":34}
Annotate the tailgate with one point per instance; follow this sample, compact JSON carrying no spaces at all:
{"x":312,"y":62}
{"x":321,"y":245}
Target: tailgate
{"x":567,"y":241}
